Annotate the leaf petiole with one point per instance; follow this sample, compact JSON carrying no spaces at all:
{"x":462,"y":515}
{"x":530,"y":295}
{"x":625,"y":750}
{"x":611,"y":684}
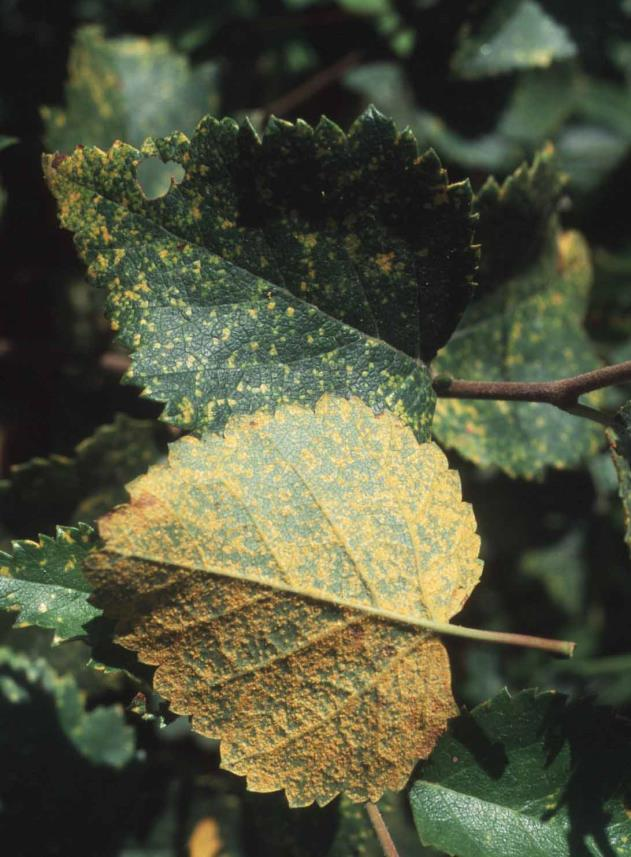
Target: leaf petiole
{"x":559,"y":647}
{"x":381,"y":830}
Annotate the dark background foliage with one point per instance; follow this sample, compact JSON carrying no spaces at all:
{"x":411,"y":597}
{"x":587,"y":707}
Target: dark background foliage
{"x":556,"y":563}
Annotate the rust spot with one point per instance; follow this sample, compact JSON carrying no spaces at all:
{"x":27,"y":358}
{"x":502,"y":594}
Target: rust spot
{"x":145,"y":501}
{"x":58,"y":159}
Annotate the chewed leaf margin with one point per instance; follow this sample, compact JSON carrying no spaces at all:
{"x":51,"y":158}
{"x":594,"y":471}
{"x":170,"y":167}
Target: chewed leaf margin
{"x":172,"y":265}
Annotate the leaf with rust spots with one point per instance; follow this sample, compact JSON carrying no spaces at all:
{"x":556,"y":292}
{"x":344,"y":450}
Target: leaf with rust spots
{"x":619,"y":437}
{"x":127,"y":88}
{"x":279,"y":579}
{"x":526,"y":325}
{"x":279,"y":269}
{"x":44,"y":581}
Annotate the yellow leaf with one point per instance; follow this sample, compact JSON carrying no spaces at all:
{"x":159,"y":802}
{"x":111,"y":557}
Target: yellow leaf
{"x":277,"y":577}
{"x":205,"y":840}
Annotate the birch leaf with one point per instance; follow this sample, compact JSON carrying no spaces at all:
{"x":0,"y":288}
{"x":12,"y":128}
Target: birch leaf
{"x":278,"y":269}
{"x":530,"y":775}
{"x":44,"y":581}
{"x":619,"y":437}
{"x":518,"y":34}
{"x":127,"y":88}
{"x":526,"y":325}
{"x":276,"y":577}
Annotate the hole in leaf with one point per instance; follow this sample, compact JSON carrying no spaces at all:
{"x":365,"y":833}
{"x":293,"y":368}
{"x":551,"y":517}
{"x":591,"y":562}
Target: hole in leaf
{"x":154,"y":176}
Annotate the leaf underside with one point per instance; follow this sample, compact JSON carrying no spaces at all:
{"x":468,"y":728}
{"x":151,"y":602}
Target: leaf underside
{"x":258,"y":571}
{"x":278,"y":270}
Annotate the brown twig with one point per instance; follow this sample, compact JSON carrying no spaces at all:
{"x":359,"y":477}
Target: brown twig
{"x":115,"y":362}
{"x":563,"y":393}
{"x":381,"y":830}
{"x":310,"y":87}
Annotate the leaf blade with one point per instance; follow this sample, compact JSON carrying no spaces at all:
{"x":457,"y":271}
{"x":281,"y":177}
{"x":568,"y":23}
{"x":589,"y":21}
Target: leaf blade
{"x":528,"y":774}
{"x":526,"y":325}
{"x":322,"y":666}
{"x":266,"y":276}
{"x":45,"y":581}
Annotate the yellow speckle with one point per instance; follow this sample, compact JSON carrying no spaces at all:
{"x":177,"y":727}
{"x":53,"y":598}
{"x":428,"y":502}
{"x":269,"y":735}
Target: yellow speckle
{"x":290,"y":311}
{"x":205,"y":840}
{"x":309,"y":240}
{"x":186,"y":410}
{"x":384,"y":261}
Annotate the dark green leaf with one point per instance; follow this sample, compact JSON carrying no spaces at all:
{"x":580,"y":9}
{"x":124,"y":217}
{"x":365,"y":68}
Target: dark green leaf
{"x":517,"y":219}
{"x":539,"y":104}
{"x":385,"y":84}
{"x":45,"y":581}
{"x":528,"y":776}
{"x":278,"y":270}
